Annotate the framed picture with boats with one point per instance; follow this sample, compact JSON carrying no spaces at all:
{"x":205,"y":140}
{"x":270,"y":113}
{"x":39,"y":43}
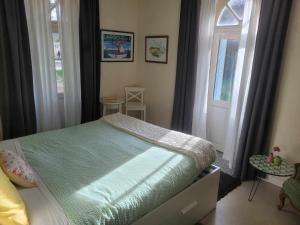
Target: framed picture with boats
{"x":156,"y":49}
{"x":117,"y":46}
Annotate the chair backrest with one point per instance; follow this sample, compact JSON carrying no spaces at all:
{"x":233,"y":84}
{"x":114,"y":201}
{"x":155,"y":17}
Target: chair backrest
{"x":134,"y":94}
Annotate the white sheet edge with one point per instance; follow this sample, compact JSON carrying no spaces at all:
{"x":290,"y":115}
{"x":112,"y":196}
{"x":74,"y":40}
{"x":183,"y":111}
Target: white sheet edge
{"x":58,"y":218}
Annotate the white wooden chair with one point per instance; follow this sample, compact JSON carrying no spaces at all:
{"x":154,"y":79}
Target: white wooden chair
{"x":134,"y":97}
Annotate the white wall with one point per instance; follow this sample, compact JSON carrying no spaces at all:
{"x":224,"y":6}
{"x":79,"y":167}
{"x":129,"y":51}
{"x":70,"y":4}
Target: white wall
{"x":158,"y":17}
{"x":119,"y":15}
{"x":286,"y":126}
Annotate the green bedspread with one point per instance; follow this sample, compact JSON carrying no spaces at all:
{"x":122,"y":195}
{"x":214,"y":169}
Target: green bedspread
{"x":101,"y":175}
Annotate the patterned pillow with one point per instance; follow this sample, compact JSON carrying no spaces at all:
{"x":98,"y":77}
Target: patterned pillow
{"x":17,"y":169}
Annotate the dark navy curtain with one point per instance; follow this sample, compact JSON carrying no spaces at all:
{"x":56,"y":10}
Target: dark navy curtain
{"x":270,"y":40}
{"x":17,"y":107}
{"x":186,"y":66}
{"x":89,"y":35}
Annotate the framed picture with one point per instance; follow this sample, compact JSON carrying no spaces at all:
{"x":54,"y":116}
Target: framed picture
{"x":156,"y":49}
{"x":117,"y":46}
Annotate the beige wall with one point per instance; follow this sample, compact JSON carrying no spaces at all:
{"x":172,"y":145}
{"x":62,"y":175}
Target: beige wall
{"x":119,"y":15}
{"x":286,"y":125}
{"x":143,"y":17}
{"x":158,"y":17}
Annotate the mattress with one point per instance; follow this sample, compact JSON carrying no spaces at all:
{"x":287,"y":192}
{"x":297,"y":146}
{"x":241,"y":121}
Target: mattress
{"x":99,"y":174}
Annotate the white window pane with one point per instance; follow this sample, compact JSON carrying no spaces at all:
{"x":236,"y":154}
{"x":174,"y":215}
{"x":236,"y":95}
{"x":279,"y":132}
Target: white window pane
{"x":59,"y":76}
{"x":54,"y":7}
{"x":238,"y":7}
{"x":225,"y":69}
{"x":58,"y":63}
{"x":227,"y":18}
{"x":54,"y":14}
{"x":56,"y":44}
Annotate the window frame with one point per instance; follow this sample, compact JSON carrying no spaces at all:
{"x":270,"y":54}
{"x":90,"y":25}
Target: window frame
{"x":223,"y":33}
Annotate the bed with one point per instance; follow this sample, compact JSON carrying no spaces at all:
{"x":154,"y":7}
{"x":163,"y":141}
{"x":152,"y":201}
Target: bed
{"x":118,"y":170}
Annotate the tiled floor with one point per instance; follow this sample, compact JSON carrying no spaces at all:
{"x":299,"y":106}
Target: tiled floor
{"x":234,"y":209}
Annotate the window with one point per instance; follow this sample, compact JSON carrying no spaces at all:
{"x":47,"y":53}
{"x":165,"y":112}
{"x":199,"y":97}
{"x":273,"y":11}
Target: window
{"x":232,"y":13}
{"x":237,"y":7}
{"x":54,"y":13}
{"x":227,"y":18}
{"x":225,"y":51}
{"x":225,"y":68}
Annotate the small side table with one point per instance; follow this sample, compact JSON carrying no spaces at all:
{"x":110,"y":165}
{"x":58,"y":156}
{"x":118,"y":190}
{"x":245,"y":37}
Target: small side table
{"x":112,"y":103}
{"x":260,"y":163}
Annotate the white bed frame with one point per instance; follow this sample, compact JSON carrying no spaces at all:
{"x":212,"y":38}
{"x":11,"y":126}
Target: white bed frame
{"x":189,"y":206}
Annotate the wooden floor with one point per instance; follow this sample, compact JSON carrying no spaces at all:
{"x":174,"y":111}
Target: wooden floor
{"x":234,"y":209}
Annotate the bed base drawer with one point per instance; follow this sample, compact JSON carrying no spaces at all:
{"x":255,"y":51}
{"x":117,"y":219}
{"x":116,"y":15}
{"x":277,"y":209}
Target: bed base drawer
{"x":189,"y":206}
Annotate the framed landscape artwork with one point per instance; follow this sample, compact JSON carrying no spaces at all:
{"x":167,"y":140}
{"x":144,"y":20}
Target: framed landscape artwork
{"x":117,"y":46}
{"x":156,"y":49}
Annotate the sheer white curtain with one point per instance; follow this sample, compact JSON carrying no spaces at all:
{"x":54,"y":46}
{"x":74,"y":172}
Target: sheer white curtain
{"x":69,"y":33}
{"x":206,"y":30}
{"x":43,"y":67}
{"x":242,"y":78}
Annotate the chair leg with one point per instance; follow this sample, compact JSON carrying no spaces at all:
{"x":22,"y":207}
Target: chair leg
{"x":282,"y":198}
{"x":144,"y":117}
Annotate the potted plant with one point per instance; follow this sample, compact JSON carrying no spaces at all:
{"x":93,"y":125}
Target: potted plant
{"x":274,"y":158}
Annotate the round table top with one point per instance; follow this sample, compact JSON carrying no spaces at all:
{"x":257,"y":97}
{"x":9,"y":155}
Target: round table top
{"x":260,"y":162}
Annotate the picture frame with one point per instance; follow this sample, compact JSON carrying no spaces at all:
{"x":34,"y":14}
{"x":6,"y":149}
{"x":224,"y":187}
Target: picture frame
{"x":117,"y":46}
{"x":156,"y":49}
